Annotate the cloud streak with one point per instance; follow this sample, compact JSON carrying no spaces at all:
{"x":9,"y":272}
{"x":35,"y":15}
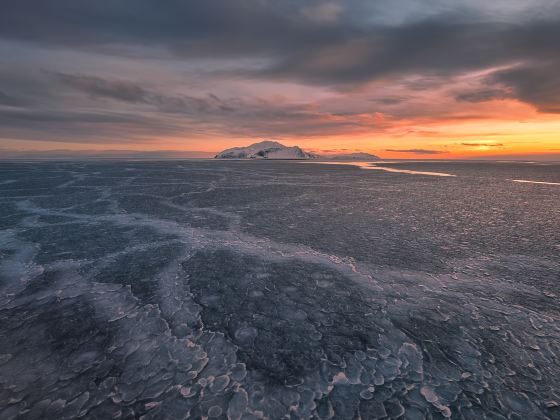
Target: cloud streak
{"x":482,"y":144}
{"x":126,"y":91}
{"x":416,"y":151}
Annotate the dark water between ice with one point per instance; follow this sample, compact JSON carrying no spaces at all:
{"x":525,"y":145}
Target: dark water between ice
{"x":279,"y":289}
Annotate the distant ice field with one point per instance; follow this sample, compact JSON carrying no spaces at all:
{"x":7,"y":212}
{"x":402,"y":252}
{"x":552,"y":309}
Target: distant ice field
{"x":279,"y":289}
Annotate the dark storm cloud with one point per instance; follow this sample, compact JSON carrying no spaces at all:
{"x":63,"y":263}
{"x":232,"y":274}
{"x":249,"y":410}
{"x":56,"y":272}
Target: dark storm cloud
{"x":132,"y":92}
{"x":432,"y":47}
{"x":416,"y":151}
{"x":224,"y":27}
{"x":299,"y":44}
{"x":81,"y":127}
{"x":537,"y":84}
{"x":9,"y":100}
{"x":294,"y":41}
{"x":97,"y":87}
{"x":390,"y":100}
{"x":240,"y":116}
{"x":75,"y":95}
{"x":483,"y":95}
{"x":27,"y":88}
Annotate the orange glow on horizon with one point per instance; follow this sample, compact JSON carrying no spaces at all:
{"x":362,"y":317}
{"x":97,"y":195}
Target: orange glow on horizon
{"x":505,"y":127}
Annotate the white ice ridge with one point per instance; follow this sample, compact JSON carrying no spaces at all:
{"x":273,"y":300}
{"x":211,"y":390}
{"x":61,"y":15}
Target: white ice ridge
{"x":524,"y":181}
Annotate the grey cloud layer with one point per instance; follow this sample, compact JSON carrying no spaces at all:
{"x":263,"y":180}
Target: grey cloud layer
{"x":344,"y":50}
{"x":59,"y":107}
{"x":336,"y":45}
{"x":132,"y":92}
{"x":537,"y":84}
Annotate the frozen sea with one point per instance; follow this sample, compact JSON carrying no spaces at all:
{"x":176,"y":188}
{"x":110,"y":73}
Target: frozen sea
{"x":261,"y":289}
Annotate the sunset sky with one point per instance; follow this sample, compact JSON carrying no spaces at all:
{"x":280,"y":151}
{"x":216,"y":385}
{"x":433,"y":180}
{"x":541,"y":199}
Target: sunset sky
{"x":398,"y":78}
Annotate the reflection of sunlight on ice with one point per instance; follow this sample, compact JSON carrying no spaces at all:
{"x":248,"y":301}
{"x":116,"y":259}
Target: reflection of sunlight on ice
{"x":524,"y":181}
{"x":373,"y":165}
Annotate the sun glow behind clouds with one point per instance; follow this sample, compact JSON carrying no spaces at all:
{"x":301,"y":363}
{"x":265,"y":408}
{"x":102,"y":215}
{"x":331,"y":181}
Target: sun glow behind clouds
{"x":394,"y":78}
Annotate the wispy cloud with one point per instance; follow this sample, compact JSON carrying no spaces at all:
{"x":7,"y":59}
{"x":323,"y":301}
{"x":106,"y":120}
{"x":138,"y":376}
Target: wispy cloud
{"x":416,"y":151}
{"x":483,"y":144}
{"x":484,"y":95}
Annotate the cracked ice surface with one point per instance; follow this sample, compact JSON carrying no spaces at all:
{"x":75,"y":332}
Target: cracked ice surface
{"x":278,"y":290}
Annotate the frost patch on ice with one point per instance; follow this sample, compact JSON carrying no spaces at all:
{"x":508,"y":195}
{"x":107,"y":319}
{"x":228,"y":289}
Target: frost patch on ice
{"x":131,"y":290}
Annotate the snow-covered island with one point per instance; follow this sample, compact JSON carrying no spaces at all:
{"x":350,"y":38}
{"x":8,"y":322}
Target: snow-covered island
{"x":270,"y":149}
{"x":265,"y":150}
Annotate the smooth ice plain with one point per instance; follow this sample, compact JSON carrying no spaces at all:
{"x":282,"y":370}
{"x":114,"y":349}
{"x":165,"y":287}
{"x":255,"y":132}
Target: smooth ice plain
{"x":244,"y":290}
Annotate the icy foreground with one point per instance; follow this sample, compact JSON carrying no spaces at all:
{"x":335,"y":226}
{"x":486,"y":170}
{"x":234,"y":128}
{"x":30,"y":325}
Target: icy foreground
{"x":249,"y":289}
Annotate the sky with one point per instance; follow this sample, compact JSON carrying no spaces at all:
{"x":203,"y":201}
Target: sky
{"x":431,"y":79}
